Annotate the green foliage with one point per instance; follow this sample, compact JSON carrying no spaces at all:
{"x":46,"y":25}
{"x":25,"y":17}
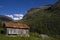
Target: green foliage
{"x":44,"y":21}
{"x":33,"y":36}
{"x":1,"y":24}
{"x":2,"y":29}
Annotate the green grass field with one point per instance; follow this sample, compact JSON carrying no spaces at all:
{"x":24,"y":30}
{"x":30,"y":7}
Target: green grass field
{"x":31,"y":37}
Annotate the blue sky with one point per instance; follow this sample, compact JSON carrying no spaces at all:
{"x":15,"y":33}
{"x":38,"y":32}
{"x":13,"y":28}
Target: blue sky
{"x":12,"y":7}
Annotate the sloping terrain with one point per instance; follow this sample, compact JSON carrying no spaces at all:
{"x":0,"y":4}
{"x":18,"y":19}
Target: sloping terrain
{"x":5,"y":18}
{"x":45,"y":20}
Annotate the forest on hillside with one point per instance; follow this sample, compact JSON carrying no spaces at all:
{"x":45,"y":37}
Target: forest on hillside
{"x":44,"y":20}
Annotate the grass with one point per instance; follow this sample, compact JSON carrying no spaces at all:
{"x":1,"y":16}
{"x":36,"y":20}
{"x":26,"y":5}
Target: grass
{"x":33,"y":36}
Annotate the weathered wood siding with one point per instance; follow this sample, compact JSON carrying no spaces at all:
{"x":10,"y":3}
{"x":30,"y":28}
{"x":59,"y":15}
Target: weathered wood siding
{"x":17,"y":31}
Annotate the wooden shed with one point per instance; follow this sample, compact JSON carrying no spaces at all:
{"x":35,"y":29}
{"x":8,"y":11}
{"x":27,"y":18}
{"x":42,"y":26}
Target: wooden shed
{"x":16,"y":29}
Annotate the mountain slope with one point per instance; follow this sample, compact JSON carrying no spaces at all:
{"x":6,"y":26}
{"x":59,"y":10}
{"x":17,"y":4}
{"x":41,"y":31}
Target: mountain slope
{"x":44,"y":21}
{"x":5,"y":18}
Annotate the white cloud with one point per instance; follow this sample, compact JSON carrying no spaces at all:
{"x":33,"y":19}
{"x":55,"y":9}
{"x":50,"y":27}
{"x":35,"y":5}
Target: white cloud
{"x":16,"y":16}
{"x":21,"y":17}
{"x":10,"y":16}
